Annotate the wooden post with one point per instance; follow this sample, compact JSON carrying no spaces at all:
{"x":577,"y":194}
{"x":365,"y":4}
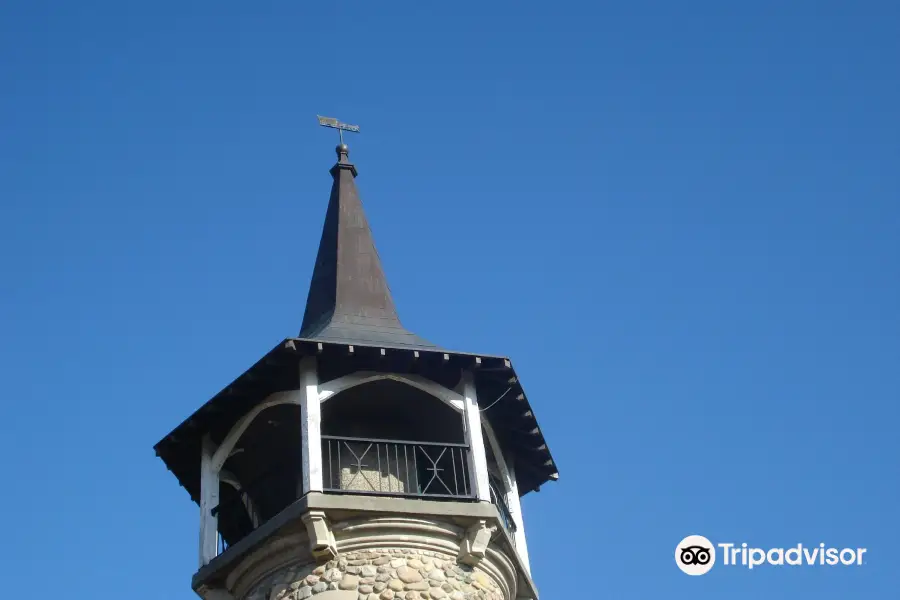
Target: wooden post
{"x":209,"y":499}
{"x":475,"y":440}
{"x":515,"y":510}
{"x":311,"y":414}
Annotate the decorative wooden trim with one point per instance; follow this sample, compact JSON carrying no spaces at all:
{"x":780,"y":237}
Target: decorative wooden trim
{"x":445,"y":395}
{"x":229,"y":478}
{"x":227,"y":445}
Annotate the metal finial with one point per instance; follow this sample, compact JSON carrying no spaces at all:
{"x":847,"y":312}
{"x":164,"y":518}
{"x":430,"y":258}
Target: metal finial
{"x":341,"y":127}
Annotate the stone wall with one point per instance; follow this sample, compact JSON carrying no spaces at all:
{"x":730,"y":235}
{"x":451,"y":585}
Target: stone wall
{"x":381,"y":574}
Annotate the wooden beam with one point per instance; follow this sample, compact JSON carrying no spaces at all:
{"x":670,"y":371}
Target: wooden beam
{"x":209,"y":499}
{"x":311,"y":423}
{"x":475,"y":439}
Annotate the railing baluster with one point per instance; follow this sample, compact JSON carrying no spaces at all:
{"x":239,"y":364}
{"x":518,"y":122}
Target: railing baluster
{"x":396,"y":476}
{"x":378,"y":460}
{"x":330,"y":465}
{"x":406,"y":467}
{"x":416,"y":471}
{"x":453,"y":462}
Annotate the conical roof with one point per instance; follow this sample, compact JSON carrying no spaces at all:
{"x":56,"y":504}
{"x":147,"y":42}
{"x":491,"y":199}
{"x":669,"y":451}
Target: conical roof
{"x":349,"y":298}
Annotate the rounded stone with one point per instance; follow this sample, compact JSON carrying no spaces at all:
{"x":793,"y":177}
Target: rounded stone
{"x":381,"y":561}
{"x":379,"y":586}
{"x":437,"y":593}
{"x":415,"y":563}
{"x":437,"y":575}
{"x":408,"y":575}
{"x":418,"y":586}
{"x":349,"y":582}
{"x":319,"y":587}
{"x":333,"y":575}
{"x":387,"y":595}
{"x":366,"y":589}
{"x":398,"y":562}
{"x":396,"y":585}
{"x":369,"y":571}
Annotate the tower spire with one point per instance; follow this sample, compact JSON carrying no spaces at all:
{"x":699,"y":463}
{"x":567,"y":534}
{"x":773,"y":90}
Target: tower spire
{"x":349,"y":298}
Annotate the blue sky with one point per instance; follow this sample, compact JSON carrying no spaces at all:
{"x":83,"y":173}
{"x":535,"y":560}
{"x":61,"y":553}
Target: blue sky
{"x":679,"y":219}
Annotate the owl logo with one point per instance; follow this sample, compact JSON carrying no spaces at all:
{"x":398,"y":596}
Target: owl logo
{"x":695,"y":555}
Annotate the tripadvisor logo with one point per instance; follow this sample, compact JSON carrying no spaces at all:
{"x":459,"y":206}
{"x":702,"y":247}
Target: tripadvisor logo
{"x":696,"y":555}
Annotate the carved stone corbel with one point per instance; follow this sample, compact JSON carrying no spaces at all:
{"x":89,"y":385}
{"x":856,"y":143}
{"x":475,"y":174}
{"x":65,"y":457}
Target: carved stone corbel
{"x":321,"y":538}
{"x":208,"y":593}
{"x":475,"y":543}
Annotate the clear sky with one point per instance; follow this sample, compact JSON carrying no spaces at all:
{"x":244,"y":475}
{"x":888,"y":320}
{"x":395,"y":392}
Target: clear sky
{"x":680,"y":220}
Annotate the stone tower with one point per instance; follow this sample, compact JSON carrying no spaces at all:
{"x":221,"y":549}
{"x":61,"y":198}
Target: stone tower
{"x":358,"y":460}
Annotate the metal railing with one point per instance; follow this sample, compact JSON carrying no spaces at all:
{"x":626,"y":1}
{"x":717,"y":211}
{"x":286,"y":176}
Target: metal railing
{"x":500,"y":502}
{"x":395,"y":467}
{"x":379,"y":467}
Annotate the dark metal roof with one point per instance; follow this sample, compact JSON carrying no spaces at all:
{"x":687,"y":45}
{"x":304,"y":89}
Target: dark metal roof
{"x":349,"y":299}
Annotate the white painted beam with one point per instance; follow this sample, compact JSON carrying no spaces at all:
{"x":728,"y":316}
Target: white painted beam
{"x":474,"y":437}
{"x":311,"y":415}
{"x":514,"y":504}
{"x":209,"y":499}
{"x":510,"y":490}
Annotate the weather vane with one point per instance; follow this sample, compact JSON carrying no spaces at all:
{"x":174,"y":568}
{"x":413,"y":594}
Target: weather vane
{"x":335,"y":124}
